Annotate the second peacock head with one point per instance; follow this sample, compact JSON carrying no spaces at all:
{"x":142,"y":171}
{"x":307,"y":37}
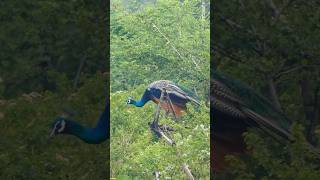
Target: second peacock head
{"x":130,"y":100}
{"x":58,"y":126}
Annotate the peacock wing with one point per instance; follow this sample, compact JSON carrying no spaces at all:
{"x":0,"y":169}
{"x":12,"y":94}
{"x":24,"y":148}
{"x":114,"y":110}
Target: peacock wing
{"x":157,"y":86}
{"x":171,"y":88}
{"x":226,"y":101}
{"x":182,"y":93}
{"x":268,"y":124}
{"x":160,"y":84}
{"x":243,"y":103}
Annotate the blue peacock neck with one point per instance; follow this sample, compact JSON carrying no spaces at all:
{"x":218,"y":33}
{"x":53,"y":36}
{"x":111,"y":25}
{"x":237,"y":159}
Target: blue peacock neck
{"x":95,"y":135}
{"x":144,"y":99}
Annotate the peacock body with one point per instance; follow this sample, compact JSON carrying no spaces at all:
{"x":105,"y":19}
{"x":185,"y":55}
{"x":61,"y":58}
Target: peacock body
{"x":178,"y":96}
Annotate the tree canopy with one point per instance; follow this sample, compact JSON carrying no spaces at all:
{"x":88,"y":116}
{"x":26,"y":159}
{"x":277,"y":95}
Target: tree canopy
{"x":273,"y":46}
{"x":53,"y":60}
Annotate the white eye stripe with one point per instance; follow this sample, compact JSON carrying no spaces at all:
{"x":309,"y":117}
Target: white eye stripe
{"x":55,"y":126}
{"x":63,"y":125}
{"x":129,"y":101}
{"x":54,"y":129}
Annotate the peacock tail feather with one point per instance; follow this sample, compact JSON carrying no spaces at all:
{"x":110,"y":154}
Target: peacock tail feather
{"x":240,"y":101}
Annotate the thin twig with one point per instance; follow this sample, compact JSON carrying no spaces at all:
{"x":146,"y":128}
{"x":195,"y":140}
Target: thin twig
{"x":77,"y":77}
{"x":173,"y":47}
{"x":166,"y":138}
{"x":297,"y":68}
{"x":187,"y":171}
{"x":168,"y":41}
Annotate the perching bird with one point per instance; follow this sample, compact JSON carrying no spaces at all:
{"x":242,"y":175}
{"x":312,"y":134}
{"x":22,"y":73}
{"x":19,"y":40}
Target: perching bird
{"x":235,"y":107}
{"x":95,"y":135}
{"x":179,"y":97}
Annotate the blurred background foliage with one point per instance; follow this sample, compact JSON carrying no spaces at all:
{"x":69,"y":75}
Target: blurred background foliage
{"x":41,"y":37}
{"x":153,"y":40}
{"x":273,"y":45}
{"x":53,"y":59}
{"x":26,"y":152}
{"x":166,"y":39}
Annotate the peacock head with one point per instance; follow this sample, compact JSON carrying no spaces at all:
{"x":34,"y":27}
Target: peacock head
{"x":59,"y":126}
{"x":130,"y":100}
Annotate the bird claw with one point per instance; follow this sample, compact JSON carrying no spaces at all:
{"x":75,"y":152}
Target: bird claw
{"x":155,"y":128}
{"x":160,"y":131}
{"x":166,"y":128}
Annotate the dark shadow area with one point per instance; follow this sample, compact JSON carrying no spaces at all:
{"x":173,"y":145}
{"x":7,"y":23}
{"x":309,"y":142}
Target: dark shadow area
{"x":54,"y":62}
{"x":265,"y":89}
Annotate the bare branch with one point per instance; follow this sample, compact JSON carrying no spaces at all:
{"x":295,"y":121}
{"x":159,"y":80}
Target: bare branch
{"x":187,"y":171}
{"x":274,"y":94}
{"x":77,"y":77}
{"x":275,"y":10}
{"x":291,"y":70}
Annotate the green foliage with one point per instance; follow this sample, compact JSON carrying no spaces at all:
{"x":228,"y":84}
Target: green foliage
{"x":42,"y":46}
{"x":265,"y":43}
{"x":136,"y":152}
{"x":258,"y":47}
{"x":153,"y":40}
{"x":270,"y":160}
{"x":39,"y":37}
{"x":167,"y":40}
{"x":26,"y":152}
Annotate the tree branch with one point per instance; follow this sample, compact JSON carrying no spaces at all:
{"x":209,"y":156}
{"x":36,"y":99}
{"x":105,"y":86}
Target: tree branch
{"x":274,"y":94}
{"x":80,"y":67}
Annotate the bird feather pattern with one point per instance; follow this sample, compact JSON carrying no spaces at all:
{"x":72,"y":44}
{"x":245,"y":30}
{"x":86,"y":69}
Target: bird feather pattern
{"x":171,"y":88}
{"x":244,"y":103}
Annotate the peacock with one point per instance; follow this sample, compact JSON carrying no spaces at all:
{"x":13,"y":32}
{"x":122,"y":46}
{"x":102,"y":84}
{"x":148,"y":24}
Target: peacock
{"x":178,"y":95}
{"x":95,"y":135}
{"x":235,"y":107}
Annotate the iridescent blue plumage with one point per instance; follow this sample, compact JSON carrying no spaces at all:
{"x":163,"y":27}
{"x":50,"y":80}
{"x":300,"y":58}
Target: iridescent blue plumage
{"x":144,"y":99}
{"x":95,"y":135}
